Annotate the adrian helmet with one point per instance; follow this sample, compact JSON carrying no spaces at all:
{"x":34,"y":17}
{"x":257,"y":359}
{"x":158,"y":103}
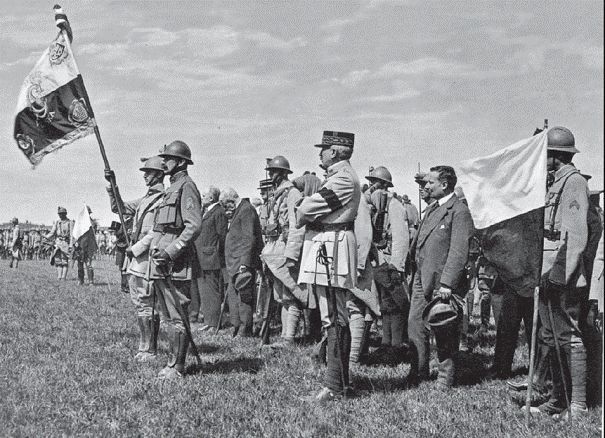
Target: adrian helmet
{"x":380,"y":173}
{"x":561,"y":139}
{"x":279,"y":162}
{"x":177,"y":149}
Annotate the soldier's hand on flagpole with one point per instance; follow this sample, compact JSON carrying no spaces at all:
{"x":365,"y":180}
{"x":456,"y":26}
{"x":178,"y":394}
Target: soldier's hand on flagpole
{"x":129,"y":252}
{"x":110,"y":176}
{"x":161,"y":258}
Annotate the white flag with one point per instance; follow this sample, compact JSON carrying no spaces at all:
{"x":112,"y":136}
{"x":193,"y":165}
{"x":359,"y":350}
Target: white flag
{"x":82,"y":223}
{"x":507,"y":183}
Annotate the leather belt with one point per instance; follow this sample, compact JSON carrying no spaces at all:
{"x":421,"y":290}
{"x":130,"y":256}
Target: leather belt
{"x":342,"y":226}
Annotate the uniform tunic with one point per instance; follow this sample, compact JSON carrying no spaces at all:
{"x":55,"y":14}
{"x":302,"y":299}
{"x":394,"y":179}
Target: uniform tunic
{"x":61,"y":231}
{"x":177,"y":223}
{"x":285,"y":242}
{"x":326,"y":212}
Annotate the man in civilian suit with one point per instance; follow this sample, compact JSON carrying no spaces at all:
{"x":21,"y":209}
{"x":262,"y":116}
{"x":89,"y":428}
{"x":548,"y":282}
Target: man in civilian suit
{"x":243,"y":245}
{"x":440,"y":252}
{"x":210,"y":248}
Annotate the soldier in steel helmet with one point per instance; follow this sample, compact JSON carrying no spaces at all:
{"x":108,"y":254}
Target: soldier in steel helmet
{"x":177,"y":223}
{"x":16,"y":244}
{"x":283,"y":246}
{"x":329,"y":258}
{"x":136,"y":265}
{"x":62,"y":232}
{"x":564,"y":277}
{"x":392,"y":239}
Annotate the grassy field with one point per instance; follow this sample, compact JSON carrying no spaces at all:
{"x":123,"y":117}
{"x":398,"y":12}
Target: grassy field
{"x":66,"y":368}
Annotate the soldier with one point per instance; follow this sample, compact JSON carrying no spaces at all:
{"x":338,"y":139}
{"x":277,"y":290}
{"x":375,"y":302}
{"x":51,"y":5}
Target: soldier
{"x":62,"y":232}
{"x":84,"y":249}
{"x":283,"y":245}
{"x":142,"y":212}
{"x":266,"y":193}
{"x":412,"y":215}
{"x":16,"y":244}
{"x":329,"y":259}
{"x":564,"y":296}
{"x":392,"y":239}
{"x":177,"y":223}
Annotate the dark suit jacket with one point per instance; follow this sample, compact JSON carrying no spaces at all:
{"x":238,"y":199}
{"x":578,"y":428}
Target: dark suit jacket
{"x":210,"y":245}
{"x":244,"y":241}
{"x":440,"y":249}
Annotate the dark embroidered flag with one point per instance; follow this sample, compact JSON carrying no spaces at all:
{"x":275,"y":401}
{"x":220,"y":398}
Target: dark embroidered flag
{"x":52,"y":109}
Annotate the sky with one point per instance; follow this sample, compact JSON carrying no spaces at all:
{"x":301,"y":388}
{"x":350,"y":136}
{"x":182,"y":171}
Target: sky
{"x":416,"y":81}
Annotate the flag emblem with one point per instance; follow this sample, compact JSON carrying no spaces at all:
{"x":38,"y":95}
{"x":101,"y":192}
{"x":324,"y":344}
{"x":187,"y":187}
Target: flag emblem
{"x":57,"y":53}
{"x":77,"y":112}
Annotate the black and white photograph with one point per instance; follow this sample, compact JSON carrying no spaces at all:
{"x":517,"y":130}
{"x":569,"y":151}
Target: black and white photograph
{"x":301,"y":218}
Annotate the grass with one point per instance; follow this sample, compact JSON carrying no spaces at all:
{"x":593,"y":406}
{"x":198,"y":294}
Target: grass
{"x":66,"y":368}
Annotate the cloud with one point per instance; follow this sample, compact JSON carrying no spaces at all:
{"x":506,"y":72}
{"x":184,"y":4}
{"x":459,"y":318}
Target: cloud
{"x":434,"y":66}
{"x":268,"y":41}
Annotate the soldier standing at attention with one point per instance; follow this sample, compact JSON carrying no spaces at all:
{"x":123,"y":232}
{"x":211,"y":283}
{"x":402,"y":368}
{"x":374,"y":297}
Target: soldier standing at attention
{"x":142,"y":212}
{"x":283,"y":245}
{"x":177,"y":223}
{"x":16,"y":244}
{"x":329,"y":258}
{"x":564,"y":278}
{"x":392,"y":239}
{"x":61,"y":231}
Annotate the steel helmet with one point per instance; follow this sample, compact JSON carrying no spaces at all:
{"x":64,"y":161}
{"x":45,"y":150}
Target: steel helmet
{"x":153,"y":163}
{"x":177,"y":149}
{"x":380,"y":173}
{"x":279,"y":162}
{"x":14,"y":220}
{"x":61,"y":210}
{"x":439,"y":314}
{"x":561,"y":139}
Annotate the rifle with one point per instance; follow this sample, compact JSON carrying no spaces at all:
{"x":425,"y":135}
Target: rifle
{"x":167,"y":274}
{"x":379,"y":218}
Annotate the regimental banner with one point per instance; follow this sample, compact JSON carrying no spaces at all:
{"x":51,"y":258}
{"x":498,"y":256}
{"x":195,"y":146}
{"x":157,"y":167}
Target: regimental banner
{"x":52,"y":109}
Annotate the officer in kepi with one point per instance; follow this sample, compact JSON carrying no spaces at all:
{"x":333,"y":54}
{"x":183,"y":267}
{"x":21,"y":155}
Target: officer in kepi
{"x":177,"y":223}
{"x":329,"y":258}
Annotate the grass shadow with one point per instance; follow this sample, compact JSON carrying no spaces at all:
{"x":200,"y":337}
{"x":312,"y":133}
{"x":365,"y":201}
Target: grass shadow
{"x":249,"y":365}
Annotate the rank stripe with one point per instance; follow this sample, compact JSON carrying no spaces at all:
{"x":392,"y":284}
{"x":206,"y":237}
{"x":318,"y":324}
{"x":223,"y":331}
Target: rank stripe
{"x":331,"y":198}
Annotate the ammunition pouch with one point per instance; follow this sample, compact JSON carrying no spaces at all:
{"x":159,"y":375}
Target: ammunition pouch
{"x":272,"y":230}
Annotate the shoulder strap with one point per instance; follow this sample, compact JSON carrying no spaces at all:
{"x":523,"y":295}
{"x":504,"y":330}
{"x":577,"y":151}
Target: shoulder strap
{"x":137,"y":231}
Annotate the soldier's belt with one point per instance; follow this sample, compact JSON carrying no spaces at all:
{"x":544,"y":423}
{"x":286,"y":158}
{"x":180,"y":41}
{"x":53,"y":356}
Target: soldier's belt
{"x":167,"y":229}
{"x":552,"y":235}
{"x":342,"y":226}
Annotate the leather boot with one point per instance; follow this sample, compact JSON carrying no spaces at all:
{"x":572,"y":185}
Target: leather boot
{"x":558,"y":399}
{"x":175,"y":367}
{"x":365,"y":341}
{"x":149,"y":339}
{"x":90,"y":273}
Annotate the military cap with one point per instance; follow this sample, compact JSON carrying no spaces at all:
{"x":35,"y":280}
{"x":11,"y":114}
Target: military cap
{"x":265,"y":184}
{"x":334,"y":138}
{"x":61,"y":210}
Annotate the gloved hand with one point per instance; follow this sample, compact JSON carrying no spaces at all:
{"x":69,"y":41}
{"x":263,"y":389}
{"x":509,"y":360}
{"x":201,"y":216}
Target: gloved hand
{"x":444,"y":293}
{"x":129,"y":252}
{"x":290,"y":264}
{"x":161,"y":258}
{"x":110,"y":176}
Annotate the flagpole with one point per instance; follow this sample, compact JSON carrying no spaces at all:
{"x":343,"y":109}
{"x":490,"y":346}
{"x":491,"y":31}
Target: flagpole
{"x":534,"y":334}
{"x":419,"y":198}
{"x":114,"y":187}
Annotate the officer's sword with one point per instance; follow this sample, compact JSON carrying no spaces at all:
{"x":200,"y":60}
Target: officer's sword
{"x":323,"y":259}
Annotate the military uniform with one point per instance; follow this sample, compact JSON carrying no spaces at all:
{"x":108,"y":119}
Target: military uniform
{"x":142,"y":212}
{"x":177,"y":223}
{"x":16,"y":245}
{"x":62,"y":232}
{"x":564,"y":279}
{"x":283,"y":244}
{"x":329,"y":216}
